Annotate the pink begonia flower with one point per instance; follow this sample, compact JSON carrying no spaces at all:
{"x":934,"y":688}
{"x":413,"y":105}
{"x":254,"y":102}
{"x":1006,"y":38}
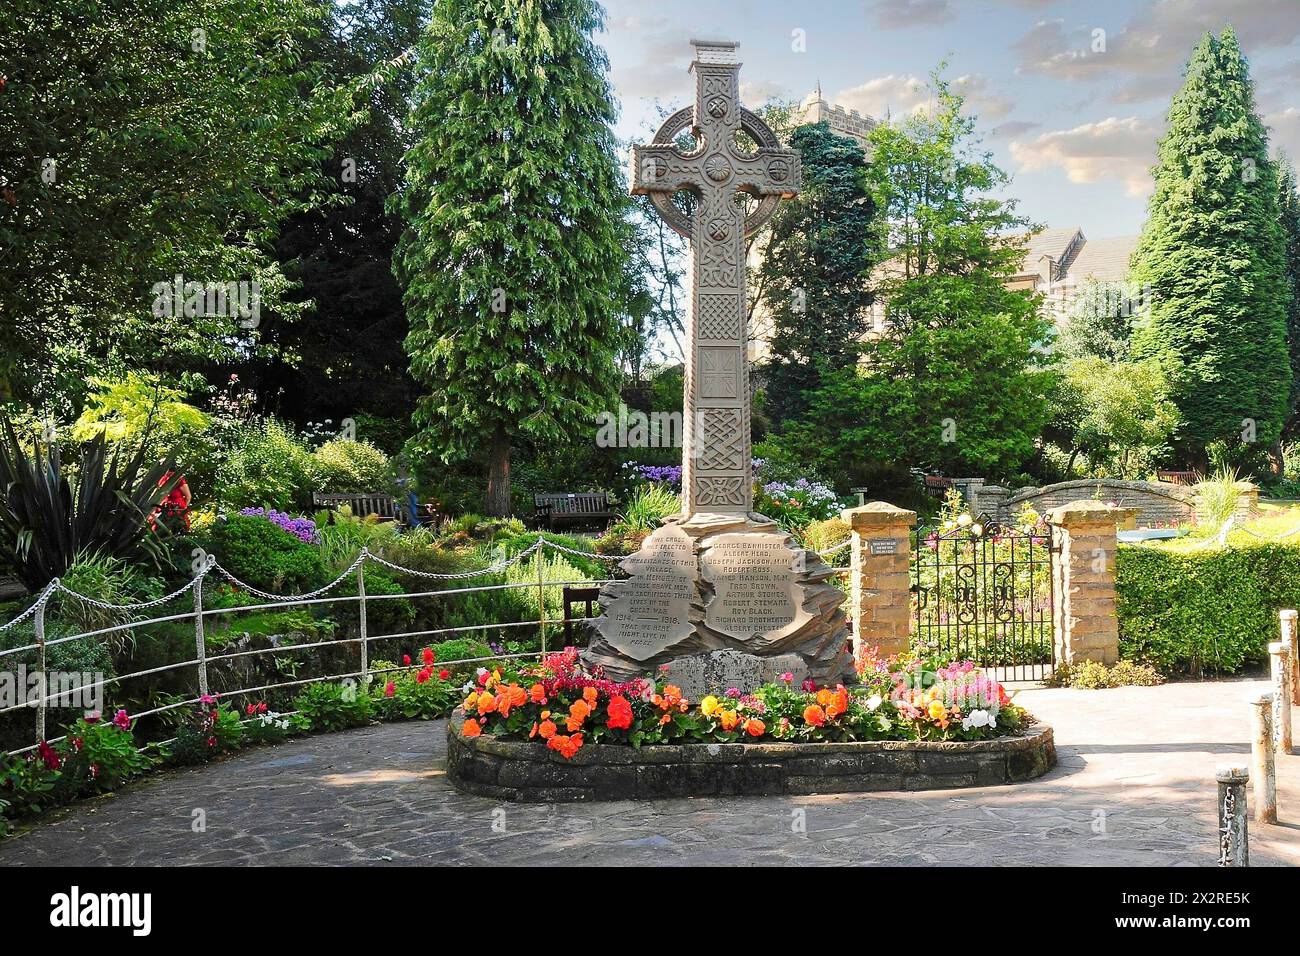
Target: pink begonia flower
{"x":121,"y":720}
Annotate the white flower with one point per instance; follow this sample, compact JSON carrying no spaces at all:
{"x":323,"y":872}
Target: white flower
{"x":977,"y":718}
{"x":963,"y":520}
{"x":873,"y":702}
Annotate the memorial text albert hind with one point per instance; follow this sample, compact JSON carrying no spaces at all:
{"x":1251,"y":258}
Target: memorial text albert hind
{"x":719,"y":593}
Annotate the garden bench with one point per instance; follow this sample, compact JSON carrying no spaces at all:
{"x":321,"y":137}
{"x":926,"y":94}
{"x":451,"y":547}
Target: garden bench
{"x":362,"y":505}
{"x":572,"y":507}
{"x":1176,"y":477}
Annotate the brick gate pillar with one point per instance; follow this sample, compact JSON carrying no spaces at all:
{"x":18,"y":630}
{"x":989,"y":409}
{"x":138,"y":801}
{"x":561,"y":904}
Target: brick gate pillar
{"x":880,"y":593}
{"x":1085,"y":625}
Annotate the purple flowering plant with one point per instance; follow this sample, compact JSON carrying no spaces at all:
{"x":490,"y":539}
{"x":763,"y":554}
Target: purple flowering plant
{"x":304,"y":529}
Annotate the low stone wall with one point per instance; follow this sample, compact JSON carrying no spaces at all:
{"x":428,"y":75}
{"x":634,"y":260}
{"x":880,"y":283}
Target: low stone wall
{"x":1155,"y":502}
{"x":529,"y":772}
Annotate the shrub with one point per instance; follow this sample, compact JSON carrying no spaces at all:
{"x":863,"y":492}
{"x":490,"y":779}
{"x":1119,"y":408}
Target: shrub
{"x":347,"y":467}
{"x":823,"y":535}
{"x":649,"y":506}
{"x":334,"y":706}
{"x":795,"y":504}
{"x":1188,"y":611}
{"x":1094,"y":675}
{"x":266,"y":556}
{"x":269,"y":466}
{"x":205,"y":732}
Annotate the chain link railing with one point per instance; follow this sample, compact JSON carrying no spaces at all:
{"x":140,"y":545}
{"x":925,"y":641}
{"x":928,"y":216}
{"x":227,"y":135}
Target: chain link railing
{"x":38,"y":611}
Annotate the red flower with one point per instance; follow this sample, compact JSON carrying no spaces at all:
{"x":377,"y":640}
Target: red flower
{"x":390,"y":689}
{"x":428,"y":655}
{"x":444,"y":674}
{"x":620,"y":714}
{"x":406,"y":660}
{"x":424,"y":675}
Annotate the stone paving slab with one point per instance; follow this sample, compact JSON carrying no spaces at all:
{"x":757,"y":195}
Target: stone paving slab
{"x":1134,"y":787}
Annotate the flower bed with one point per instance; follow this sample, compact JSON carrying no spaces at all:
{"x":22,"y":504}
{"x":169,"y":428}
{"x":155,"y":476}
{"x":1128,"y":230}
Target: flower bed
{"x":516,"y":723}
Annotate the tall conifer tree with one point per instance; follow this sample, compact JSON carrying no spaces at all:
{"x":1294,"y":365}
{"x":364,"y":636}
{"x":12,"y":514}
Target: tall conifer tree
{"x":511,"y":260}
{"x":1211,"y":258}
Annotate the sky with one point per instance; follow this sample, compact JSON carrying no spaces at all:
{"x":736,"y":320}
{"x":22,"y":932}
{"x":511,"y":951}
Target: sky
{"x":1070,"y":95}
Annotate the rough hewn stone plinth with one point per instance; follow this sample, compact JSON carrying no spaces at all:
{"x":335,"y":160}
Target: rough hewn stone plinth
{"x":716,"y":583}
{"x":880,"y":578}
{"x":530,"y":773}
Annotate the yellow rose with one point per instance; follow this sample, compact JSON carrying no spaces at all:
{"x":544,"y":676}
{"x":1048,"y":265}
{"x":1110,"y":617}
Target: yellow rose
{"x":709,"y":706}
{"x":937,"y":710}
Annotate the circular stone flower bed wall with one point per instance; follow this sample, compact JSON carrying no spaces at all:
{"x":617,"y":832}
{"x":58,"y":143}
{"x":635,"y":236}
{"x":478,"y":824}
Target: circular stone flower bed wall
{"x":529,"y":772}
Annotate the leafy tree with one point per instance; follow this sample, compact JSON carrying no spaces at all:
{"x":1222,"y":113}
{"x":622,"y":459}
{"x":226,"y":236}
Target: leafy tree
{"x":1099,"y":323}
{"x":815,"y":269}
{"x":1289,"y":213}
{"x":1212,"y":254}
{"x":1123,"y":418}
{"x":141,"y":139}
{"x":956,"y":380}
{"x":345,"y":356}
{"x":511,"y":259}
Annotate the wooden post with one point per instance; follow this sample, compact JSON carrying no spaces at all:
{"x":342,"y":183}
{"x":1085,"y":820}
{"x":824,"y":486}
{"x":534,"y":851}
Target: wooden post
{"x":1291,"y":639}
{"x":1280,"y":660}
{"x":1234,"y":836}
{"x":1262,"y":765}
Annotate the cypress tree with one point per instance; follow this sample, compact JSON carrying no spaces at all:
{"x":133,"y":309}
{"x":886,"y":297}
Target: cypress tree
{"x":815,"y":269}
{"x":511,"y":259}
{"x":1211,"y":259}
{"x":1289,"y":215}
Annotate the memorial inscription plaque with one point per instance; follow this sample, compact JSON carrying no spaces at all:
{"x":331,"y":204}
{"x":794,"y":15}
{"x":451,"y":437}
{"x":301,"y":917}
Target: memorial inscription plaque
{"x":756,"y":593}
{"x":651,"y":610}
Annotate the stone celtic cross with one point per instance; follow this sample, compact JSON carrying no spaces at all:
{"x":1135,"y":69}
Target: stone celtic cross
{"x":716,"y":458}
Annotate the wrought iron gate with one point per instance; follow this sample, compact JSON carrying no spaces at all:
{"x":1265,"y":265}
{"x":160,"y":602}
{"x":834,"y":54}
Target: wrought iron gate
{"x":985,"y":592}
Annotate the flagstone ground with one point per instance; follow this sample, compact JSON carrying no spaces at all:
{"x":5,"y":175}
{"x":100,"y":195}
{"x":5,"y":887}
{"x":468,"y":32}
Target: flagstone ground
{"x":1135,"y":763}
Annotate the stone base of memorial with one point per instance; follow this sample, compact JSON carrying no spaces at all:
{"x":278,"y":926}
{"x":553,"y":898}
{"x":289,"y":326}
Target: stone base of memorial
{"x":723,"y":601}
{"x":528,"y":772}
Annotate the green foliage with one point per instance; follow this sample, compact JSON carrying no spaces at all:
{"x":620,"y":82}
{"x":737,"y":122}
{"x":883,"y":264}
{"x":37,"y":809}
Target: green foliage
{"x":1218,"y":498}
{"x":955,"y":380}
{"x":125,"y":409}
{"x":99,"y":757}
{"x":345,"y":467}
{"x":1119,"y":414}
{"x":512,"y":273}
{"x":403,"y":695}
{"x":172,"y":152}
{"x":1212,"y":255}
{"x":342,"y":536}
{"x":813,"y":279}
{"x":203,"y":733}
{"x":328,"y":707}
{"x":49,"y":518}
{"x":270,"y":466}
{"x":1288,"y":202}
{"x":1094,"y":675}
{"x":1209,"y":609}
{"x":649,"y":506}
{"x":266,"y":556}
{"x":1099,"y":323}
{"x":824,"y":535}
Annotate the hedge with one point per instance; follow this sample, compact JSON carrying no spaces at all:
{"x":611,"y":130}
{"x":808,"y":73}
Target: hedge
{"x":1211,"y":610}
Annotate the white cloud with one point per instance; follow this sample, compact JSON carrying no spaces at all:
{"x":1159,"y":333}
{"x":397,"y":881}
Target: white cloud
{"x":1119,"y":149}
{"x":1144,"y":57}
{"x":1284,"y":135}
{"x":897,"y":95}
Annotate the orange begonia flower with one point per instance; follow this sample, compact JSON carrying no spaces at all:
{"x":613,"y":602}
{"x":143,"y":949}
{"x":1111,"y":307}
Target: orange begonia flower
{"x":471,"y":702}
{"x":590,"y":695}
{"x":486,"y":703}
{"x":518,"y":696}
{"x":825,"y":696}
{"x":814,"y":716}
{"x":755,"y":727}
{"x":620,"y":714}
{"x":471,"y":729}
{"x":537,"y":693}
{"x":547,"y":729}
{"x":729,"y":719}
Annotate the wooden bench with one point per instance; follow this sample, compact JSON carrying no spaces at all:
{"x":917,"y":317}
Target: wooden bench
{"x":363,"y":505}
{"x":579,"y":594}
{"x":588,"y":507}
{"x":1176,"y":477}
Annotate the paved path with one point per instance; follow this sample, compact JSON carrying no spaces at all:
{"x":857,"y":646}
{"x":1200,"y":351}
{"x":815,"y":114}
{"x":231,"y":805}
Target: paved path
{"x":1134,"y":787}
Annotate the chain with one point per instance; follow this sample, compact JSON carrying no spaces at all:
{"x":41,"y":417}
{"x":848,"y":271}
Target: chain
{"x":461,"y":575}
{"x":142,"y":606}
{"x":44,"y":597}
{"x":293,"y":597}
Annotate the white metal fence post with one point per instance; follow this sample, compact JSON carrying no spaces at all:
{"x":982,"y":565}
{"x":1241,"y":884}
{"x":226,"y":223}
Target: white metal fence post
{"x":200,"y":640}
{"x":361,"y":607}
{"x":43,"y":690}
{"x":541,"y":593}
